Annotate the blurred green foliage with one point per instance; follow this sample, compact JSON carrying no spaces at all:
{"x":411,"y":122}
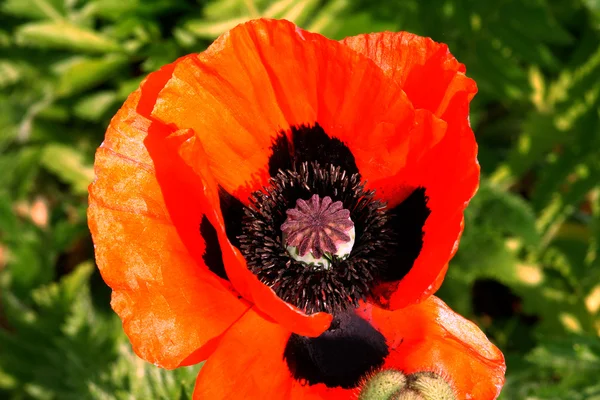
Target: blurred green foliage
{"x":527,"y":270}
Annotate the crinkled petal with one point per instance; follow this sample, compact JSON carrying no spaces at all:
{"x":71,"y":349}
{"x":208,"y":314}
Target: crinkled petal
{"x":446,"y":166}
{"x":265,"y":76}
{"x":146,"y":207}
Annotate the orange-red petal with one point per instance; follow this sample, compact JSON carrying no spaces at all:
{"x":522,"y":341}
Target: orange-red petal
{"x":287,"y":315}
{"x":144,"y":215}
{"x":431,"y":337}
{"x":450,"y":175}
{"x":263,"y":77}
{"x":249,"y":364}
{"x":188,"y":149}
{"x":446,"y":164}
{"x":425,"y":69}
{"x":435,"y":83}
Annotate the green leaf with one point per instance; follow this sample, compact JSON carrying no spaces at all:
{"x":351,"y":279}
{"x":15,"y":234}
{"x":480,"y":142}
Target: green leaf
{"x":567,"y":110}
{"x":10,"y":73}
{"x":69,"y":165}
{"x":64,"y":35}
{"x":564,"y":203}
{"x":301,"y":11}
{"x":533,"y":19}
{"x":77,"y":347}
{"x":159,"y":54}
{"x":20,"y":168}
{"x":528,"y":50}
{"x":594,"y":7}
{"x":226,"y":9}
{"x":327,"y":20}
{"x":8,"y":219}
{"x":504,"y":213}
{"x":93,"y":107}
{"x":184,"y":395}
{"x":114,"y":9}
{"x":81,"y":73}
{"x":593,"y":253}
{"x":126,"y":87}
{"x":498,"y":70}
{"x":30,"y":261}
{"x":577,"y":355}
{"x":50,"y":9}
{"x":211,"y":29}
{"x":278,"y":8}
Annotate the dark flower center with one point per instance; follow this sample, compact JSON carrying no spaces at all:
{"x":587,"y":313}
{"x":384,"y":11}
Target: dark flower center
{"x":386,"y":241}
{"x":315,"y":226}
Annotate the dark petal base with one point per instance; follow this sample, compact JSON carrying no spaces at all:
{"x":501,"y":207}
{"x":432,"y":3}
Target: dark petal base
{"x":308,"y":144}
{"x":213,"y":257}
{"x":233,"y":212}
{"x":342,"y":356}
{"x":406,"y":221}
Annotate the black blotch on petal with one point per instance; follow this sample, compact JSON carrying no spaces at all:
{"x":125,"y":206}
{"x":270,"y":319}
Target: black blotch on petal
{"x":281,"y":157}
{"x":309,"y":143}
{"x":407,"y":221}
{"x":233,"y":212}
{"x":341,"y":356}
{"x":213,"y":257}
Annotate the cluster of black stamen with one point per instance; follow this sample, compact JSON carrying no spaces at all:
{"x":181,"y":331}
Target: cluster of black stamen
{"x":312,"y":288}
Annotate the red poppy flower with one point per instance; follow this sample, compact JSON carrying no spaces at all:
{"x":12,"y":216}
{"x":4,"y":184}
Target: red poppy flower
{"x":253,"y":358}
{"x":254,"y":195}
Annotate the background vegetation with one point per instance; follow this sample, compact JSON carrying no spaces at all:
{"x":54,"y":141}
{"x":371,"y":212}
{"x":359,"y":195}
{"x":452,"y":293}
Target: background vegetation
{"x":528,"y":266}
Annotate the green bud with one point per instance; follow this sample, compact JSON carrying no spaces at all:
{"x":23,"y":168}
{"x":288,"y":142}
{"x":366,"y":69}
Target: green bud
{"x":383,"y":385}
{"x":431,"y":386}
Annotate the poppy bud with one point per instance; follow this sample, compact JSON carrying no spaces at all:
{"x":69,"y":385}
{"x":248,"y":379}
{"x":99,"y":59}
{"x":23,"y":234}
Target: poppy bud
{"x":383,"y":385}
{"x":431,"y":386}
{"x":392,"y":384}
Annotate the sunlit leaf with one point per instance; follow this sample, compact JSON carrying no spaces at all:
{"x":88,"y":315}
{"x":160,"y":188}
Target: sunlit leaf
{"x":93,"y":107}
{"x":209,"y":29}
{"x":69,"y":165}
{"x":82,"y":73}
{"x":63,"y":35}
{"x":48,"y":9}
